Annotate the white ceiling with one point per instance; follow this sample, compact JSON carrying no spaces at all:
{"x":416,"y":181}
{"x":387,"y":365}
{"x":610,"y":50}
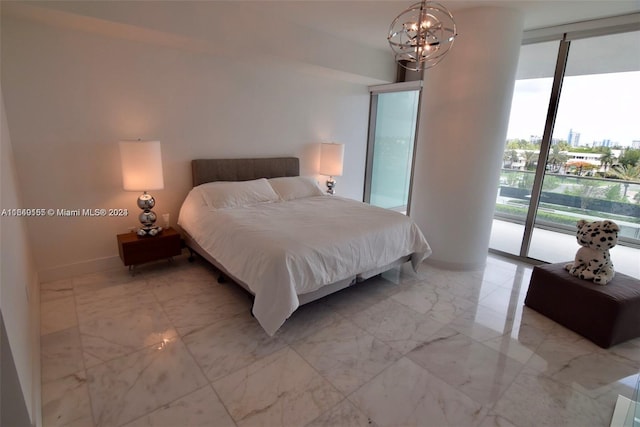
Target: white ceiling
{"x":367,"y":22}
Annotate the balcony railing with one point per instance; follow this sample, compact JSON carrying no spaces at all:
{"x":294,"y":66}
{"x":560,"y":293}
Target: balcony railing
{"x":567,"y":198}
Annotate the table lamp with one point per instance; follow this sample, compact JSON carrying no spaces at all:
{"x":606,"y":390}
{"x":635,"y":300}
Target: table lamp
{"x":331,"y":159}
{"x":142,"y":171}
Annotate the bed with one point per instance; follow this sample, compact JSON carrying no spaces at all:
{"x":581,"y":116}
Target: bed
{"x":279,"y":236}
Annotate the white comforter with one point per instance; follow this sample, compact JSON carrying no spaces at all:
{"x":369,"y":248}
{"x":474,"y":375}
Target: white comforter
{"x":285,"y":249}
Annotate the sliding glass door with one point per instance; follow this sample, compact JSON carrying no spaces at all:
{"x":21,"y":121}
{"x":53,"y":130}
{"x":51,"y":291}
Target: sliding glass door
{"x":531,"y":96}
{"x":392,"y":134}
{"x":592,"y":171}
{"x":585,"y":163}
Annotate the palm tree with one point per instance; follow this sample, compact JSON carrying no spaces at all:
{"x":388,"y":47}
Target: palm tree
{"x":530,"y":158}
{"x":607,"y":158}
{"x":626,"y":173}
{"x":556,"y":158}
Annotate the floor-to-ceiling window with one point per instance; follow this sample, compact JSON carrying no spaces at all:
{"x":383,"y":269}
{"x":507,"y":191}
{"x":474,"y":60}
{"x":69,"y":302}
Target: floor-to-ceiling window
{"x":526,"y":125}
{"x":573,"y":147}
{"x":392,"y":134}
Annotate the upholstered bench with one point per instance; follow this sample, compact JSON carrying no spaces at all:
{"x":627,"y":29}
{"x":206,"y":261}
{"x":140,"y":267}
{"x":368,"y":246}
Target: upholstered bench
{"x":606,"y":315}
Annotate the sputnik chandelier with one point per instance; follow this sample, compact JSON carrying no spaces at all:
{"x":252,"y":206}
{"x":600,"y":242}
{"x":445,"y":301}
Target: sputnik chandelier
{"x":422,"y":35}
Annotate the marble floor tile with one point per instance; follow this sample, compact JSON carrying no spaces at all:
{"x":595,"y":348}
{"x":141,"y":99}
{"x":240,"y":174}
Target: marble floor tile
{"x":307,"y":320}
{"x":56,"y":289}
{"x":128,"y":294}
{"x":122,"y":350}
{"x":397,"y":325}
{"x":390,"y":282}
{"x":81,"y":422}
{"x":438,"y":276}
{"x":346,"y":355}
{"x":492,"y":420}
{"x":121,"y":330}
{"x":406,"y":394}
{"x":344,"y":414}
{"x":504,"y":299}
{"x":126,"y":388}
{"x":278,"y":390}
{"x":230,"y":344}
{"x":594,"y":374}
{"x":358,"y":297}
{"x":60,"y":354}
{"x":482,"y":323}
{"x":534,"y":400}
{"x":439,"y":304}
{"x":202,"y":408}
{"x":473,"y":368}
{"x":90,"y":283}
{"x":402,"y":275}
{"x":470,"y":292}
{"x":501,"y":273}
{"x":189,"y":313}
{"x":65,"y":400}
{"x":57,"y":314}
{"x":175,"y":286}
{"x":558,"y":349}
{"x":528,"y":330}
{"x":471,"y":285}
{"x":629,"y":350}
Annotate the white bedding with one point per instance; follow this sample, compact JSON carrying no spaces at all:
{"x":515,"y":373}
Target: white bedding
{"x":284,"y":249}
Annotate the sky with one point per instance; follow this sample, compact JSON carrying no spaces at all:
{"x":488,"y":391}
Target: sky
{"x":599,"y":106}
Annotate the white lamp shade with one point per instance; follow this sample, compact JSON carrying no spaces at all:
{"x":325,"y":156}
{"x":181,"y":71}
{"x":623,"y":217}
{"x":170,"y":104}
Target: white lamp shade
{"x":331,"y":159}
{"x":141,"y":165}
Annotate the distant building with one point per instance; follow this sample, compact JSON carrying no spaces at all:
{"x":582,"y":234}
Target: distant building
{"x":574,"y":138}
{"x":535,"y":139}
{"x":603,"y":143}
{"x":635,"y":143}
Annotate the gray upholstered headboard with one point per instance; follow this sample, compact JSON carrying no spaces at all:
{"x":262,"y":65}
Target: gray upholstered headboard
{"x":209,"y":170}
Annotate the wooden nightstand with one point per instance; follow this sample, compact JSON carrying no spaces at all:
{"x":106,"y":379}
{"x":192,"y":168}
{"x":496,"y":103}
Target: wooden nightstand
{"x":136,"y":250}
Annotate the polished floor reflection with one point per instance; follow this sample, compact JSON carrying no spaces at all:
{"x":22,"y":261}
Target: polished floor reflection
{"x":172,"y":347}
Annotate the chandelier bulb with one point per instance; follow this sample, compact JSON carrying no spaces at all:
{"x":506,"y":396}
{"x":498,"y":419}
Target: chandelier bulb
{"x":421,"y":35}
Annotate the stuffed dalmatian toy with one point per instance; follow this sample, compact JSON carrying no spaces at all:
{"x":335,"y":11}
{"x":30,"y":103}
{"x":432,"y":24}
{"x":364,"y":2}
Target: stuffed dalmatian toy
{"x":592,"y":260}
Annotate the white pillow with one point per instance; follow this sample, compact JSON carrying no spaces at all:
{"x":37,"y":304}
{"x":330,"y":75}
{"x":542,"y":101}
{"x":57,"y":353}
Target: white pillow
{"x":223,"y":194}
{"x":296,"y":187}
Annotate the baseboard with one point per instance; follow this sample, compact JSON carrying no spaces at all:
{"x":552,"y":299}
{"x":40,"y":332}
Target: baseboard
{"x":79,"y":268}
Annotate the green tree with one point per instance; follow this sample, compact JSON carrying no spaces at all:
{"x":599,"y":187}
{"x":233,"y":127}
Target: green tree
{"x":607,"y":158}
{"x":626,"y":173}
{"x":509,"y":158}
{"x":579,"y":167}
{"x":613,"y":193}
{"x":629,"y":157}
{"x":556,"y":158}
{"x":587,"y":189}
{"x":512,"y":144}
{"x":530,"y":160}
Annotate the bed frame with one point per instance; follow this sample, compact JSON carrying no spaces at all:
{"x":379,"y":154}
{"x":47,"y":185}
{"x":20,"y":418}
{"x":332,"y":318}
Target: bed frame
{"x":210,"y":170}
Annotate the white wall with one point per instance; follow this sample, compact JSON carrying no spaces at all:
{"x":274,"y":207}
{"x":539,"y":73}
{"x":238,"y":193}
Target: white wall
{"x":19,"y":290}
{"x":76,"y":84}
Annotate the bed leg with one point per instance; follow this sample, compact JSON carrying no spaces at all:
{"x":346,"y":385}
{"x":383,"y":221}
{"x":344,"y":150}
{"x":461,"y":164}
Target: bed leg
{"x":192,"y":255}
{"x":222,"y":278}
